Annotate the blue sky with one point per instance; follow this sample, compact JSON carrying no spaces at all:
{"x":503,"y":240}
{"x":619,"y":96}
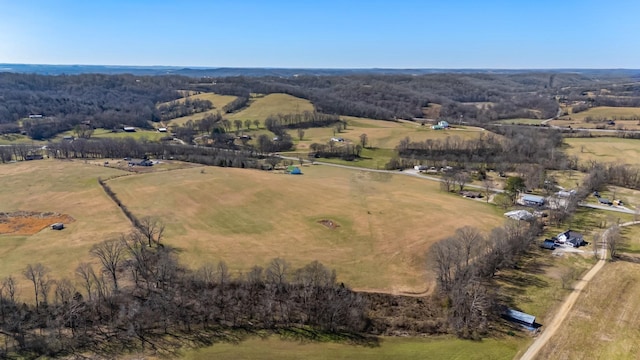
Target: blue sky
{"x":323,"y":34}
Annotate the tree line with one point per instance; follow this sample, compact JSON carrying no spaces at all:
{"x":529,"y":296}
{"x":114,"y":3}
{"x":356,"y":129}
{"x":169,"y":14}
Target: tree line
{"x":517,"y":145}
{"x":139,"y":297}
{"x":175,"y":109}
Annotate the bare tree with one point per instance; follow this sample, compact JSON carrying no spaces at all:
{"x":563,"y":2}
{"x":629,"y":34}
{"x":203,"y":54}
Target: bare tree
{"x":36,"y":274}
{"x":256,"y":123}
{"x":110,"y":253}
{"x":247,"y":124}
{"x":300,"y":134}
{"x":364,"y":139}
{"x":461,"y":179}
{"x":448,"y":179}
{"x":9,"y":287}
{"x":488,"y":185}
{"x":87,"y":275}
{"x":613,"y":239}
{"x":278,"y":271}
{"x":152,"y":229}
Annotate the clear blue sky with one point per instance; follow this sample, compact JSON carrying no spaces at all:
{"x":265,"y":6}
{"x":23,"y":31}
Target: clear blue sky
{"x":324,"y":34}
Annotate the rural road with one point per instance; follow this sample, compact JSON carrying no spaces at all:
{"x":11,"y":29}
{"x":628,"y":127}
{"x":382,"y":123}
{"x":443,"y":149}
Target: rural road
{"x":550,"y":329}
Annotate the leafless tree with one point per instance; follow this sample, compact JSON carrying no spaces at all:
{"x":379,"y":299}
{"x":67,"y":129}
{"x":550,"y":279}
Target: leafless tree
{"x":461,"y":179}
{"x":9,"y":287}
{"x":488,"y":185}
{"x":87,"y":276}
{"x":247,"y":124}
{"x":448,"y":179}
{"x":278,"y":271}
{"x":111,"y":254}
{"x":152,"y":228}
{"x":37,"y":275}
{"x":613,"y":238}
{"x":300,"y":134}
{"x":256,"y":123}
{"x":364,"y":140}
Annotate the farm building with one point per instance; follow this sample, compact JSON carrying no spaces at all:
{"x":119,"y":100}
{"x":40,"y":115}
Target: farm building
{"x":420,"y":167}
{"x":140,"y":162}
{"x":519,"y":215}
{"x":162,"y":129}
{"x":525,"y":320}
{"x":35,"y":116}
{"x":566,"y":193}
{"x":532,"y":200}
{"x":571,"y":238}
{"x":129,"y":129}
{"x":440,"y":125}
{"x":604,"y":201}
{"x":57,"y":226}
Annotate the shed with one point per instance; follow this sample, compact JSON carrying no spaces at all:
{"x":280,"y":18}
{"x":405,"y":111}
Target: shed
{"x":523,"y":319}
{"x":533,"y":200}
{"x":57,"y":226}
{"x":129,"y":129}
{"x":162,"y":129}
{"x":605,"y":201}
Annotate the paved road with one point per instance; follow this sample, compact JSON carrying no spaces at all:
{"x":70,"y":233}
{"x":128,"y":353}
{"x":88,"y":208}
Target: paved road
{"x":550,"y":329}
{"x":608,"y":208}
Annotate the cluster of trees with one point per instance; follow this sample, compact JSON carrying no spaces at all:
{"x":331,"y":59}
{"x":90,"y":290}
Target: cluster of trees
{"x":276,"y":123}
{"x":129,"y":147}
{"x":344,"y":151}
{"x":140,"y":297}
{"x":282,"y":142}
{"x":465,"y":264}
{"x":188,"y":106}
{"x":237,"y":104}
{"x":107,"y":101}
{"x":519,"y":145}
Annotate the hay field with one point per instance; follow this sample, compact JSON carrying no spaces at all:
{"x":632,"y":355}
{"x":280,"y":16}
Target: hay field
{"x":260,"y":107}
{"x":605,"y":323}
{"x":247,"y":217}
{"x":64,"y":187}
{"x":218,"y":101}
{"x":604,"y":149}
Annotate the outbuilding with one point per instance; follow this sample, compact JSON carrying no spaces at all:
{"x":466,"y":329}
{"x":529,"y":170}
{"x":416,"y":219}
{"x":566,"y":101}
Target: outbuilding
{"x":57,"y":226}
{"x":532,"y":200}
{"x":525,"y":320}
{"x":129,"y":129}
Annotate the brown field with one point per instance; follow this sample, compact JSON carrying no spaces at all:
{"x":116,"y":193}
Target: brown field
{"x":29,"y":223}
{"x":383,"y":223}
{"x":605,"y":323}
{"x":62,"y":187}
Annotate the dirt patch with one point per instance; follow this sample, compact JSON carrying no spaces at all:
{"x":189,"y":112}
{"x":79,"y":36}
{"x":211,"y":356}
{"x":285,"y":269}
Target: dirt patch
{"x":29,"y":222}
{"x":329,"y":223}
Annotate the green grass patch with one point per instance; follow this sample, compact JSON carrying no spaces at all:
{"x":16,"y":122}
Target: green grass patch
{"x":389,"y":348}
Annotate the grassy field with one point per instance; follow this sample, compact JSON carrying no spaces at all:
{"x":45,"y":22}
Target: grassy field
{"x":63,"y":187}
{"x":605,"y":112}
{"x":605,"y":323}
{"x":390,"y":348}
{"x":602,"y":149}
{"x":218,"y":101}
{"x":261,"y":107}
{"x":9,"y":139}
{"x":247,"y":217}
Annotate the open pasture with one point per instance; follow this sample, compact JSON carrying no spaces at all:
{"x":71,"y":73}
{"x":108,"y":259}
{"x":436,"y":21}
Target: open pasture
{"x":604,"y":149}
{"x":260,"y":107}
{"x":624,"y":117}
{"x":384,"y":223}
{"x":218,"y":101}
{"x":63,"y":187}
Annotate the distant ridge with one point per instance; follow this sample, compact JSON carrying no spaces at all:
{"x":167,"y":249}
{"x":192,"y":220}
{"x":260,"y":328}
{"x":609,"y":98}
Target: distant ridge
{"x":44,"y":69}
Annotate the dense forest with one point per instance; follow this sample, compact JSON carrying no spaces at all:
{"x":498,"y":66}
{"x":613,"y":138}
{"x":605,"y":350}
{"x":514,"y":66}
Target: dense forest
{"x":113,"y":101}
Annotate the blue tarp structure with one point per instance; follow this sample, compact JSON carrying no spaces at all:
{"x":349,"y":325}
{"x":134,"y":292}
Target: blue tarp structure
{"x":525,"y":320}
{"x":295,"y":171}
